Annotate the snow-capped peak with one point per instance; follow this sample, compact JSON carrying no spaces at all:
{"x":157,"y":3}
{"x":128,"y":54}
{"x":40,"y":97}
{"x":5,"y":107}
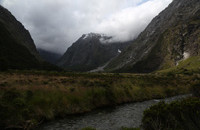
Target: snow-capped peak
{"x":85,"y":36}
{"x":102,"y":37}
{"x":90,"y":35}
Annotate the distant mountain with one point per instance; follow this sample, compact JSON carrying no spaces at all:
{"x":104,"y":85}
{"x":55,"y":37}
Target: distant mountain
{"x":17,"y":49}
{"x":172,"y":36}
{"x":50,"y":57}
{"x":90,"y":52}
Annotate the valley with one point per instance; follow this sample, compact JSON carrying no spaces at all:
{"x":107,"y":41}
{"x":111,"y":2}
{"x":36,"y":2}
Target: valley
{"x":45,"y":88}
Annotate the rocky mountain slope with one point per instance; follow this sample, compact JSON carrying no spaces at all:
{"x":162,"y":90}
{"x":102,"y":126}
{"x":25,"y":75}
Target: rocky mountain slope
{"x":17,"y":49}
{"x":172,"y":36}
{"x":50,"y":57}
{"x":17,"y":31}
{"x":89,"y":52}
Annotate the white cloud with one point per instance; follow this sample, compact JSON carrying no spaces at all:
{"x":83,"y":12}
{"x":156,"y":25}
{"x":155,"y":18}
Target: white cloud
{"x":129,"y":22}
{"x":55,"y":25}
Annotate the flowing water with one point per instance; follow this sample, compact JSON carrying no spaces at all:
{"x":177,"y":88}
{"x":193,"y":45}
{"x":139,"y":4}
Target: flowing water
{"x":127,"y":115}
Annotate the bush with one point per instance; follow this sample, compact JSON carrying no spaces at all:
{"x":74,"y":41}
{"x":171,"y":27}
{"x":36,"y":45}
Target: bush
{"x":196,"y":90}
{"x":13,"y":106}
{"x":178,"y":115}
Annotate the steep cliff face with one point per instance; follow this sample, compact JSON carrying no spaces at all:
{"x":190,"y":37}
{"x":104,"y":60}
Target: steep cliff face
{"x":89,"y":52}
{"x":17,"y":31}
{"x":171,"y":37}
{"x":17,"y":49}
{"x":14,"y":55}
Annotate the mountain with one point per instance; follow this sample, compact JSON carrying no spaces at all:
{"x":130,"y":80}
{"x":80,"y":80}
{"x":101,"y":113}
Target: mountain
{"x":172,"y":36}
{"x":89,"y":52}
{"x":18,"y":31}
{"x":17,"y":49}
{"x":50,"y":57}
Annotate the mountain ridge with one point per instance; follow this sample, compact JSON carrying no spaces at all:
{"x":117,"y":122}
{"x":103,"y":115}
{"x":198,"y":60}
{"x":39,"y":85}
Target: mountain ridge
{"x":89,"y":52}
{"x":135,"y":55}
{"x":18,"y":50}
{"x":18,"y":31}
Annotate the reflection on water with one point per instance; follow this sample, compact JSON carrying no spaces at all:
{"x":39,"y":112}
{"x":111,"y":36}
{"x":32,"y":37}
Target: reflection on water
{"x":128,"y":115}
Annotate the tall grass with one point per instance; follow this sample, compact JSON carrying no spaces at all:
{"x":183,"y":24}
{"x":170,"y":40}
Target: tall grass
{"x":27,"y":99}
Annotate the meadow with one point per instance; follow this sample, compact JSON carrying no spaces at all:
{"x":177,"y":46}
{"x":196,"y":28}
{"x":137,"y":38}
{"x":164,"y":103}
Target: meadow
{"x":28,"y":98}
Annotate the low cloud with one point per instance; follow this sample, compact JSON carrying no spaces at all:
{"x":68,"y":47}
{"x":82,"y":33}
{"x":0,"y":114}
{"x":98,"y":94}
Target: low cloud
{"x":55,"y":25}
{"x":128,"y":23}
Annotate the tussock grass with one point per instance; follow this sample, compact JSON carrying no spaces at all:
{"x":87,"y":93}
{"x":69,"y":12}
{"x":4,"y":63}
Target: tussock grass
{"x":28,"y":98}
{"x":178,"y":115}
{"x":188,"y":66}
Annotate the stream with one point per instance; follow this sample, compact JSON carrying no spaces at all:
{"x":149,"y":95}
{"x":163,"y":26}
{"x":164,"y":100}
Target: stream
{"x":112,"y":118}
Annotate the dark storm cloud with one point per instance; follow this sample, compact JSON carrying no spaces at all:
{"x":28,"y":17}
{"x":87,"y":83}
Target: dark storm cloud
{"x":55,"y":25}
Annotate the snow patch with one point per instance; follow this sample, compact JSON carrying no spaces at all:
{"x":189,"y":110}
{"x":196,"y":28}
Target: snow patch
{"x":102,"y":37}
{"x":86,"y":36}
{"x":186,"y":55}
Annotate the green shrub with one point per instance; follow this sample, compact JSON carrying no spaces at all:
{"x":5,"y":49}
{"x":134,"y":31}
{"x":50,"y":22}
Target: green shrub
{"x":196,"y":90}
{"x":14,"y":107}
{"x":178,"y":115}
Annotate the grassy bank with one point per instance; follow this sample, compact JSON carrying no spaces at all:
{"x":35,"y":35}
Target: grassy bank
{"x":178,"y":115}
{"x":188,"y":66}
{"x":29,"y":98}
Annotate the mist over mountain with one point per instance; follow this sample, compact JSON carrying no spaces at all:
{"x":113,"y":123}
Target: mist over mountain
{"x":55,"y":25}
{"x":17,"y":49}
{"x":17,"y":31}
{"x":35,"y":92}
{"x":90,"y":51}
{"x":172,"y":36}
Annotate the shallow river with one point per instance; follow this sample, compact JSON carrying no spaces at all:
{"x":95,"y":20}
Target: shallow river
{"x":128,"y":115}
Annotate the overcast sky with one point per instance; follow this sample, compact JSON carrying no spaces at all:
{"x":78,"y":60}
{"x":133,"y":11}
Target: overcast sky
{"x":56,"y":24}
